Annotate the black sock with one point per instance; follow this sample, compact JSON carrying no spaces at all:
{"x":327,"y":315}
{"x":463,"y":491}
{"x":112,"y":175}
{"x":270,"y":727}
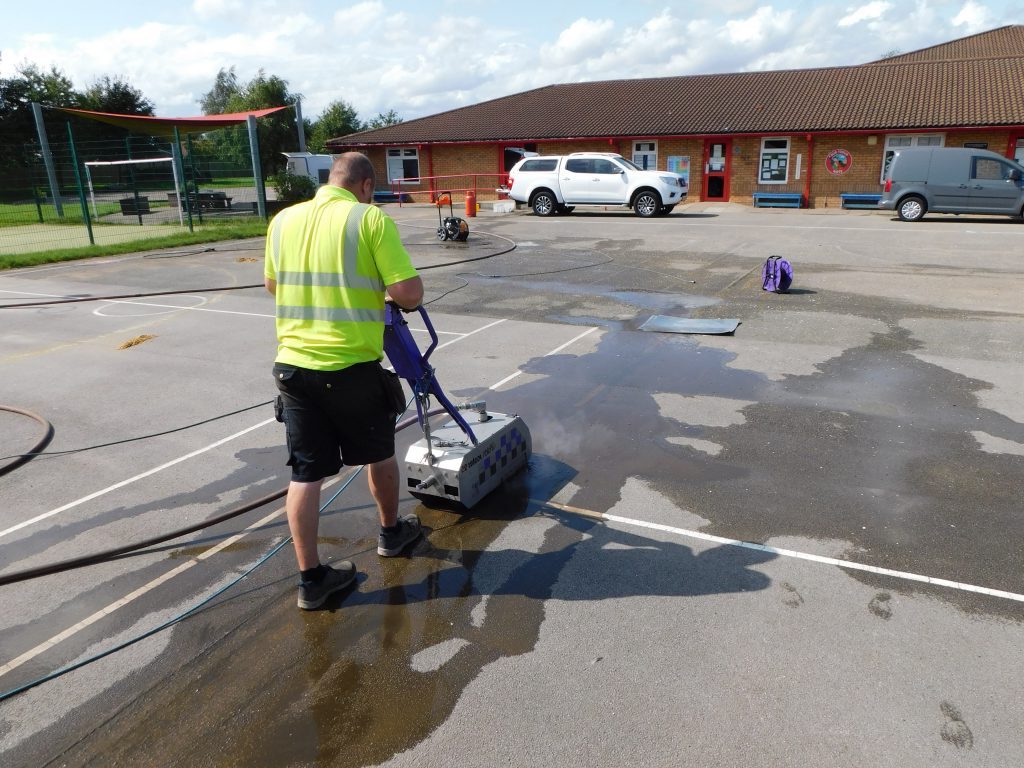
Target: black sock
{"x":390,"y":528}
{"x":314,"y":574}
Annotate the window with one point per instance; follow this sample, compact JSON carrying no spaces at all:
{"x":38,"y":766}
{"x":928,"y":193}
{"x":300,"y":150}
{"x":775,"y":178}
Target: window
{"x":988,"y":169}
{"x":774,"y":161}
{"x":1018,"y":151}
{"x":539,"y":165}
{"x":605,"y":166}
{"x":579,"y":165}
{"x":645,"y":155}
{"x":404,"y":164}
{"x":892,"y":143}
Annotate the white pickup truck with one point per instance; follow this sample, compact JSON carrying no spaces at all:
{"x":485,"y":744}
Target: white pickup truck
{"x":558,"y":183}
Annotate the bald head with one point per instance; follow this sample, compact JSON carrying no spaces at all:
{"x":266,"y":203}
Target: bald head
{"x":350,"y":170}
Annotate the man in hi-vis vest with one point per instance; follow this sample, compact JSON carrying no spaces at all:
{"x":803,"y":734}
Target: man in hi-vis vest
{"x":331,"y":263}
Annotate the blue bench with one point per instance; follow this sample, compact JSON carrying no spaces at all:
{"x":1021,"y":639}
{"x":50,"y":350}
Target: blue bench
{"x":778,"y":200}
{"x":386,"y":196}
{"x":859,"y":200}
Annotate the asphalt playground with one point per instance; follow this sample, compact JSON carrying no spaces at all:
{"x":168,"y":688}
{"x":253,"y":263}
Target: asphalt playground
{"x":800,"y":544}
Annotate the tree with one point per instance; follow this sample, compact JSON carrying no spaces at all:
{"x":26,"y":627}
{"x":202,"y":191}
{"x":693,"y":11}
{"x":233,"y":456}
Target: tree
{"x":115,"y":95}
{"x":339,"y":118}
{"x":277,"y":133}
{"x":17,"y":124}
{"x":225,"y":85}
{"x":384,"y":119}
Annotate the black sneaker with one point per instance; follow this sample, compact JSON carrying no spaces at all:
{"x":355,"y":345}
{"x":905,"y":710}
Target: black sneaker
{"x":314,"y":594}
{"x":391,"y":544}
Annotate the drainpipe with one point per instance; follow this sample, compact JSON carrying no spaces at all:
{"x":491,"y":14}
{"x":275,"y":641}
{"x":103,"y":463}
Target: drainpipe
{"x":807,"y":181}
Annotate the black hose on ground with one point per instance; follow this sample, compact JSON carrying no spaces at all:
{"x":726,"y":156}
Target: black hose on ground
{"x":110,"y":554}
{"x":30,"y":454}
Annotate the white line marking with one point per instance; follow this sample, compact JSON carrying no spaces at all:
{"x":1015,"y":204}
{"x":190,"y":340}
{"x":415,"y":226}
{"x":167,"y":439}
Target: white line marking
{"x":804,"y":555}
{"x":45,"y":295}
{"x":130,"y":480}
{"x":99,"y":311}
{"x":136,"y":594}
{"x":555,"y":351}
{"x":42,"y":647}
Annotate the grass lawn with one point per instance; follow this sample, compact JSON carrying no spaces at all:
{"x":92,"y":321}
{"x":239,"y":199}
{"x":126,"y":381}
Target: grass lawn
{"x":154,"y":238}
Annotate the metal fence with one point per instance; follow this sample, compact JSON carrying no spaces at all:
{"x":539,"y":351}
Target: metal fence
{"x":131,"y":188}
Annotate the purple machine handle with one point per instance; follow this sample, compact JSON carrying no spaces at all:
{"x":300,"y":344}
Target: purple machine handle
{"x":409,"y":364}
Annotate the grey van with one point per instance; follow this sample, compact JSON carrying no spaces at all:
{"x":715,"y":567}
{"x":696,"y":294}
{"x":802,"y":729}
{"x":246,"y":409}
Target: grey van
{"x":924,"y":180}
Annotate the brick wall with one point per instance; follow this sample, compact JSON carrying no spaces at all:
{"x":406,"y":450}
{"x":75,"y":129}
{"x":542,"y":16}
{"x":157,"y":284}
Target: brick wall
{"x":459,"y":163}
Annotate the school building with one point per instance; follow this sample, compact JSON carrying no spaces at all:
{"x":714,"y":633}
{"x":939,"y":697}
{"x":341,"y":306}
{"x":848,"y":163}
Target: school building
{"x":805,"y":135}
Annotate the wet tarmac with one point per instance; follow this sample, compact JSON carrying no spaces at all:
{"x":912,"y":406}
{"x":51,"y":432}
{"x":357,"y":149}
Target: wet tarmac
{"x":829,"y":423}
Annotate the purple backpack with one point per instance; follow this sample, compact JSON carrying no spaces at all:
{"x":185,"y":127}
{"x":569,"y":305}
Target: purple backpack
{"x":776,"y":275}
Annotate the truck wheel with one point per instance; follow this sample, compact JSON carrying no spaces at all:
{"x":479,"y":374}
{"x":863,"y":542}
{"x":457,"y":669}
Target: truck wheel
{"x":911,"y":208}
{"x":566,"y":209}
{"x":544,"y":203}
{"x":665,"y":210}
{"x":647,"y":203}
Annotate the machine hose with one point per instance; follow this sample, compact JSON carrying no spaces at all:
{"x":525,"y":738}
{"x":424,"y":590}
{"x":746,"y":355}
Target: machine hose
{"x":39,"y":446}
{"x":110,"y":554}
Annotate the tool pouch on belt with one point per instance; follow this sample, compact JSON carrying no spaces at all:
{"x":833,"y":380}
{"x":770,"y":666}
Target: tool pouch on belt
{"x":393,"y":390}
{"x":279,"y":408}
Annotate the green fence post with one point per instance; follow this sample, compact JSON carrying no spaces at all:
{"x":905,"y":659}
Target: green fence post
{"x":195,"y":178}
{"x":81,"y":189}
{"x":39,"y":206}
{"x":257,"y":168}
{"x":131,"y":175}
{"x":176,"y":155}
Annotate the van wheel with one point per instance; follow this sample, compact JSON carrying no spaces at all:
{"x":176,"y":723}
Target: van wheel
{"x":544,"y":203}
{"x":647,"y":203}
{"x":911,"y":208}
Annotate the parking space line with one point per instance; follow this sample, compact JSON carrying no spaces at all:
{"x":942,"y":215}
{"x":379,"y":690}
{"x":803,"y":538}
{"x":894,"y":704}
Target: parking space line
{"x":847,"y":564}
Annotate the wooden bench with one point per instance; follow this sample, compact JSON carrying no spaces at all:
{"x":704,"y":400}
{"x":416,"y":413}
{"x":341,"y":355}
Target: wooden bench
{"x":859,"y":199}
{"x":778,"y":200}
{"x":130,"y":208}
{"x":203,"y":200}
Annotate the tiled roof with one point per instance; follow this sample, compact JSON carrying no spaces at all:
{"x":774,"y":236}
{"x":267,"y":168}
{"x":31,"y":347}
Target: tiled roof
{"x":891,"y":94}
{"x":1004,"y":41}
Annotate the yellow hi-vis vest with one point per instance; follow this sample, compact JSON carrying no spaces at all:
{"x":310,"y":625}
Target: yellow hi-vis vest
{"x":332,"y":258}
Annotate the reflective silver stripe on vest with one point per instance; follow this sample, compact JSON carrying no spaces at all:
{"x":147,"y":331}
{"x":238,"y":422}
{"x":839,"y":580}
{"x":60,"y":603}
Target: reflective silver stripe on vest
{"x":331,"y":314}
{"x":350,"y":266}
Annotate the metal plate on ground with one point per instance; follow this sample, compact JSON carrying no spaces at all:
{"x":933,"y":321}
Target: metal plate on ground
{"x":665,"y":324}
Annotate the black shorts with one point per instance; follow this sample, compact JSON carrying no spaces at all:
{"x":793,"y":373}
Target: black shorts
{"x":337,"y":417}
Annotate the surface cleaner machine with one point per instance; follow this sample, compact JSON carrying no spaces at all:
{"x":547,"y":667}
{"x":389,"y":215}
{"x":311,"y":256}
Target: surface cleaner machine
{"x":464,"y":459}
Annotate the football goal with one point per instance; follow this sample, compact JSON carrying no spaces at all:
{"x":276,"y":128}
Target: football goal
{"x":135,"y":205}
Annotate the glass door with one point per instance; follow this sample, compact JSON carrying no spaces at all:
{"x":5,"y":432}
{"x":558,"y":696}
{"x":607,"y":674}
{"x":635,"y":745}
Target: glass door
{"x":716,"y":169}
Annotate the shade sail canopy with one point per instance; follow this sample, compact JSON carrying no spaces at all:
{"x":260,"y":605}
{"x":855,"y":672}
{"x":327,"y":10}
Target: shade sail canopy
{"x":164,"y":126}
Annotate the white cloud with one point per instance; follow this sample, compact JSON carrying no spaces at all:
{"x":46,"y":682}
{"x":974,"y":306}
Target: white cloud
{"x":582,"y":39}
{"x":869,"y":12}
{"x":216,"y":9}
{"x":973,"y":18}
{"x":360,"y":17}
{"x":765,"y":22}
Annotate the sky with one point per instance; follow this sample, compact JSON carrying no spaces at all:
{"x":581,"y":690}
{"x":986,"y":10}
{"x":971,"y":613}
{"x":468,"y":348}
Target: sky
{"x":421,"y":58}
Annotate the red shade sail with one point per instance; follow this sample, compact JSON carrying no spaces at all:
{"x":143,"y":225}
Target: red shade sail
{"x":164,"y":126}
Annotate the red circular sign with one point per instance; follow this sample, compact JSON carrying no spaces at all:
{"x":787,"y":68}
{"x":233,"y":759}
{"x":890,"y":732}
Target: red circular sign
{"x":838,"y":161}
